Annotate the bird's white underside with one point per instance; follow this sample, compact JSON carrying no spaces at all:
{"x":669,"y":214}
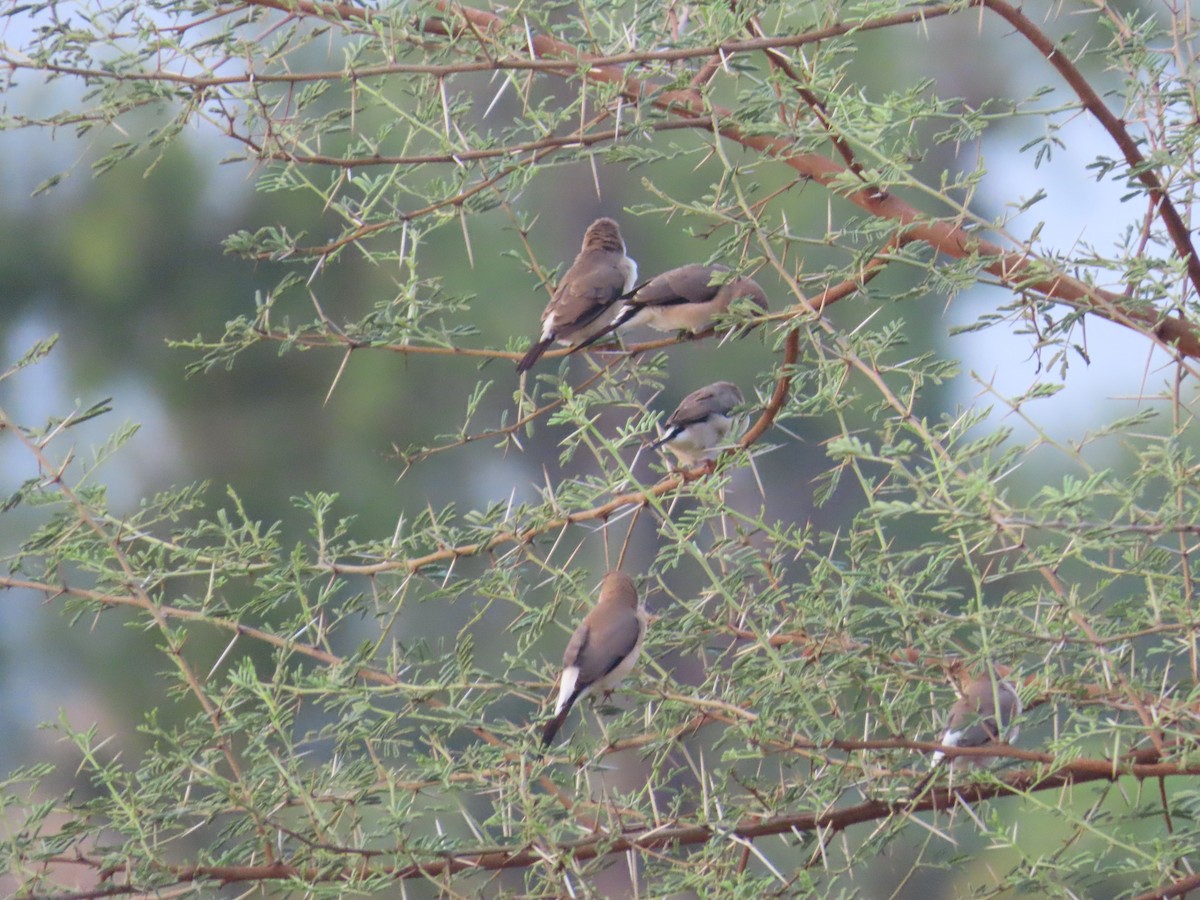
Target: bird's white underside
{"x":693,"y":317}
{"x":699,"y":438}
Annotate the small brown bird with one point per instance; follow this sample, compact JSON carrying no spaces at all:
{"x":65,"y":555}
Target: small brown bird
{"x":700,"y":423}
{"x":687,"y":299}
{"x":584,"y":302}
{"x":973,"y":720}
{"x":603,"y":649}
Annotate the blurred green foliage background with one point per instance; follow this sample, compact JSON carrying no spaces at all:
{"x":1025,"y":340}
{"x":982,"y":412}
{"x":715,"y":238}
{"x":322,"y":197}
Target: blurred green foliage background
{"x":122,"y":264}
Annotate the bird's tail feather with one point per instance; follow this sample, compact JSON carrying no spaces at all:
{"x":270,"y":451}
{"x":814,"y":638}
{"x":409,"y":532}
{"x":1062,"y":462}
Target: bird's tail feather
{"x":632,"y":292}
{"x":603,"y":332}
{"x":920,"y":786}
{"x":534,"y":354}
{"x":551,"y":727}
{"x":671,"y":434}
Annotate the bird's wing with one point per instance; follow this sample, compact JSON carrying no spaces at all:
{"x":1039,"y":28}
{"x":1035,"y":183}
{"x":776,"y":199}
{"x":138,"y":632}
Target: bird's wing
{"x":977,"y":734}
{"x":604,"y":648}
{"x":575,"y":646}
{"x":584,"y":294}
{"x":696,"y":407}
{"x":689,"y":284}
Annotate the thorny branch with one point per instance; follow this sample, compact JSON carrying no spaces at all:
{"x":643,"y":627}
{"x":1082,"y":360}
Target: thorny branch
{"x":1092,"y":102}
{"x":816,"y":646}
{"x":1017,"y":270}
{"x":1140,"y":764}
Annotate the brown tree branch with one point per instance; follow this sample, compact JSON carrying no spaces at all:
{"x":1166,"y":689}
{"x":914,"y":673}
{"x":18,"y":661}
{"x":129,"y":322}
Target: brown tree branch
{"x":349,"y":11}
{"x":675,"y":480}
{"x":1092,"y":102}
{"x":1140,"y":764}
{"x":1174,"y":889}
{"x":1017,"y":270}
{"x":783,"y":64}
{"x":791,"y":351}
{"x":553,"y":142}
{"x":140,"y":598}
{"x":813,"y":646}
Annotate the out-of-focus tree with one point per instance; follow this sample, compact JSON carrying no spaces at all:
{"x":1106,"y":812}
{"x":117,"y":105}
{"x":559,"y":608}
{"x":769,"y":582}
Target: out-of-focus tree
{"x":354,"y":707}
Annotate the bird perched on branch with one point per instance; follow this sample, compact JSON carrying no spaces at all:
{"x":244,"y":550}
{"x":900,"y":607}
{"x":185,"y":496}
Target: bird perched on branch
{"x":689,"y":298}
{"x":603,"y":650}
{"x":700,"y":423}
{"x":983,"y":715}
{"x":584,"y":303}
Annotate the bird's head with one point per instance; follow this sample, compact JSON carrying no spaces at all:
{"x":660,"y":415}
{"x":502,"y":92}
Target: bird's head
{"x":603,"y":234}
